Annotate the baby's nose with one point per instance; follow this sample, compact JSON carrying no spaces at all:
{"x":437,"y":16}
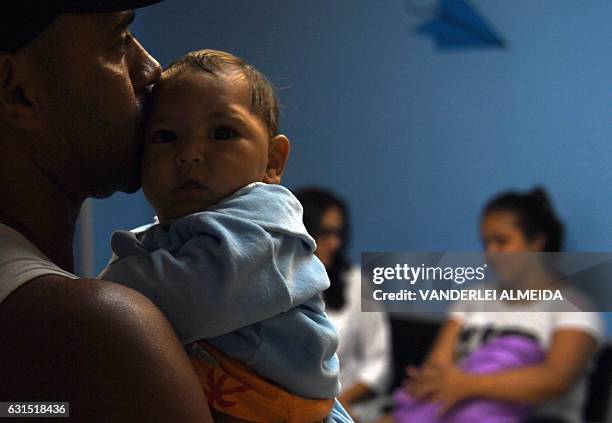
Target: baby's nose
{"x":190,"y":153}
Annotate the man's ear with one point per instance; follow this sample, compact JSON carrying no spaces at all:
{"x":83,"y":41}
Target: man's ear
{"x":17,"y":105}
{"x":278,"y":152}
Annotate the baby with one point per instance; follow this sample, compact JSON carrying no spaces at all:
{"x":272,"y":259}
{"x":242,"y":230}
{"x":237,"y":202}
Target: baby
{"x":229,"y":261}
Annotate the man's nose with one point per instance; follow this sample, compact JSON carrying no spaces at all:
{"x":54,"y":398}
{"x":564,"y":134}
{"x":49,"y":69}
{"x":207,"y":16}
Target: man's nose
{"x":144,"y":69}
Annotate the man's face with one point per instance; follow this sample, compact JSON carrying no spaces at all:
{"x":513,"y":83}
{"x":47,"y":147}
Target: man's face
{"x":203,"y":142}
{"x":96,"y":75}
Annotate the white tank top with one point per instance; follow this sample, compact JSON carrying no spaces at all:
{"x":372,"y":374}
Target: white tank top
{"x":21,"y":261}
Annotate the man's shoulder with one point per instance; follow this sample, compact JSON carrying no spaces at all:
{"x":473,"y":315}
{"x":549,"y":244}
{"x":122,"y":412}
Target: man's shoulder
{"x":92,"y":342}
{"x":84,"y":300}
{"x":59,"y":313}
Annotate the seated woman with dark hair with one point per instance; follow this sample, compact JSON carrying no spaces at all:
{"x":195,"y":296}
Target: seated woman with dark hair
{"x":364,"y":348}
{"x":515,"y":363}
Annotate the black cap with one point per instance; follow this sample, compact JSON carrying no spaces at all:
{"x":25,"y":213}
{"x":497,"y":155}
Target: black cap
{"x":23,"y":20}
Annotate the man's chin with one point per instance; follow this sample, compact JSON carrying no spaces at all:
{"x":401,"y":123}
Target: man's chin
{"x":131,"y":181}
{"x":132,"y":185}
{"x":127,"y":185}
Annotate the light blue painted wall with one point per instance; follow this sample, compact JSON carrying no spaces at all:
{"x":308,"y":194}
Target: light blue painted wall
{"x":414,"y":138}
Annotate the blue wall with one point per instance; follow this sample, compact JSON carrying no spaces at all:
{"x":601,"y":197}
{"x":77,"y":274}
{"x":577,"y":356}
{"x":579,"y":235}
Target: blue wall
{"x":417,"y":139}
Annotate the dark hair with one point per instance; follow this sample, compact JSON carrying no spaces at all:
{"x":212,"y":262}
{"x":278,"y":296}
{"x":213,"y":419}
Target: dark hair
{"x":316,"y":201}
{"x":534,"y":213}
{"x":215,"y":62}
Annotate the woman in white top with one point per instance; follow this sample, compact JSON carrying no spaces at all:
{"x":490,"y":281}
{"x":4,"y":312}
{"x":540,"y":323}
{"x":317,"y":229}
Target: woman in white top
{"x":556,"y":388}
{"x":364,"y":350}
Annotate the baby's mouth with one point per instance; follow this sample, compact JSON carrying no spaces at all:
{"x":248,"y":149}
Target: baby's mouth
{"x":190,"y":190}
{"x":191,"y":184}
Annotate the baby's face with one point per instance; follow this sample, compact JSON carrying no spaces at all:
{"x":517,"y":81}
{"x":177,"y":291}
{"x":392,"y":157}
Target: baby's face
{"x":203,"y":142}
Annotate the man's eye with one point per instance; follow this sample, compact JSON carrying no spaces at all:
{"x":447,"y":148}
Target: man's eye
{"x":222,"y":133}
{"x":122,"y":44}
{"x":163,"y":136}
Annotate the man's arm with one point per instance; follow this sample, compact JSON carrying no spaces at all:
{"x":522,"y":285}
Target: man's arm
{"x":103,"y":347}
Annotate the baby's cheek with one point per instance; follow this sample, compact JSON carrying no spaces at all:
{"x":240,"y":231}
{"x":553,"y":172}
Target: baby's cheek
{"x":154,"y":161}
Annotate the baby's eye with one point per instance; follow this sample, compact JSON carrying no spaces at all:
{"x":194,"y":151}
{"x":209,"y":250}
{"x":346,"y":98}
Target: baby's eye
{"x":222,"y":133}
{"x":163,"y":136}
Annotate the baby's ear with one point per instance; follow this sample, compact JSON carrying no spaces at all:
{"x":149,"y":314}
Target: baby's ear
{"x":278,"y":152}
